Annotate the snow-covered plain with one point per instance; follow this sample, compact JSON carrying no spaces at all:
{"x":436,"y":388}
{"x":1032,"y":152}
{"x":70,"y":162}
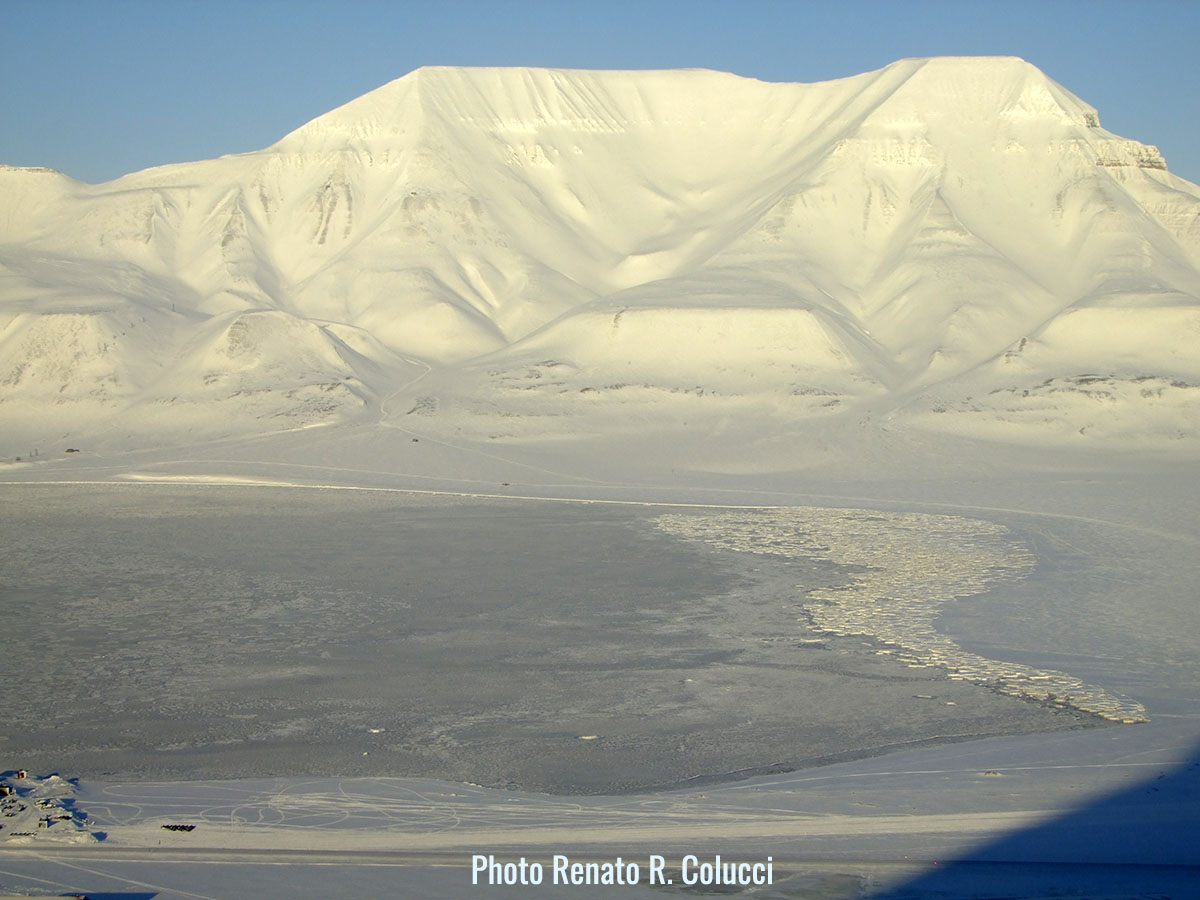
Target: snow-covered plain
{"x":531,"y":462}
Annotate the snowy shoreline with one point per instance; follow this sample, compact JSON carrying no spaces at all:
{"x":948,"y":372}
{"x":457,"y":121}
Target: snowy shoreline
{"x":341,"y":672}
{"x":946,"y":800}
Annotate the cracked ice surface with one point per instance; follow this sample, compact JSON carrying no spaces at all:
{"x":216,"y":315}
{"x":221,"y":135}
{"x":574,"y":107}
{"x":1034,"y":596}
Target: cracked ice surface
{"x":909,"y":565}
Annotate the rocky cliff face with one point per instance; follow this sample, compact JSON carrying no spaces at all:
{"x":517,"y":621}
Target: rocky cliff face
{"x":950,"y":244}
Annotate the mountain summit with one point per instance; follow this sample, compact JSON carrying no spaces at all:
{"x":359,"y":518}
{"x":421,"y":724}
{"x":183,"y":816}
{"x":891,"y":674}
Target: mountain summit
{"x":948,"y":246}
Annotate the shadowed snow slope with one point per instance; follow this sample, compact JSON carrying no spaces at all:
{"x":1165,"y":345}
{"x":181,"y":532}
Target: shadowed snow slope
{"x":946,"y":245}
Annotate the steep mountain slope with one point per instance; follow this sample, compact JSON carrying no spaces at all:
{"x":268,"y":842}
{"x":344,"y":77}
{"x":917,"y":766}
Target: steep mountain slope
{"x":952,"y":245}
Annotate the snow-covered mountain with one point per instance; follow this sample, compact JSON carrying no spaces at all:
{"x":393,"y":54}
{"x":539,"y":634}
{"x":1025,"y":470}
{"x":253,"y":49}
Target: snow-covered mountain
{"x":944,"y":246}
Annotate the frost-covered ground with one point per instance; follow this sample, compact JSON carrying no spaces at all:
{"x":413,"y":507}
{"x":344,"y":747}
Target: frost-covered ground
{"x":1088,"y":812}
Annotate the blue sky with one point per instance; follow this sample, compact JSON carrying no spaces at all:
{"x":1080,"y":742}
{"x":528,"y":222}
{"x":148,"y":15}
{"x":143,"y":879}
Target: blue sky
{"x":97,"y":89}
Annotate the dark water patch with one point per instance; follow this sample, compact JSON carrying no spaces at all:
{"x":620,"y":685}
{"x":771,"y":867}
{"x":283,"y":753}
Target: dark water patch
{"x":220,"y":632}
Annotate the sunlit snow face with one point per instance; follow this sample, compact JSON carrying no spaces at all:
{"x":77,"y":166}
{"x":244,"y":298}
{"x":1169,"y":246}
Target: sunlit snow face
{"x":953,"y":242}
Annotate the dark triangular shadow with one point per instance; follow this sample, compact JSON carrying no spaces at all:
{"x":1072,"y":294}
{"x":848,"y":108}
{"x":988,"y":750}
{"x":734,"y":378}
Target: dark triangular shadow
{"x":1139,"y":843}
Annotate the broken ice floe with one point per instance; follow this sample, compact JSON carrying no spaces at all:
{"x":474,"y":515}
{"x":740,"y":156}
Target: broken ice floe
{"x":912,"y":564}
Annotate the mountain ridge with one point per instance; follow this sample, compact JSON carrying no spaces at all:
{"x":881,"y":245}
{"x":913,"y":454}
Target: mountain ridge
{"x":889,"y":245}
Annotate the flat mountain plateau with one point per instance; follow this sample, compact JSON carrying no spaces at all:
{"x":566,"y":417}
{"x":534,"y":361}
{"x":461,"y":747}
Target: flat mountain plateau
{"x":601,"y":433}
{"x":704,"y":270}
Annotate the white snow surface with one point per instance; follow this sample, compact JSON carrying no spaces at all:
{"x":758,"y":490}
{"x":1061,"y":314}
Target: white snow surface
{"x":684,"y":287}
{"x":948,"y":247}
{"x":41,"y":808}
